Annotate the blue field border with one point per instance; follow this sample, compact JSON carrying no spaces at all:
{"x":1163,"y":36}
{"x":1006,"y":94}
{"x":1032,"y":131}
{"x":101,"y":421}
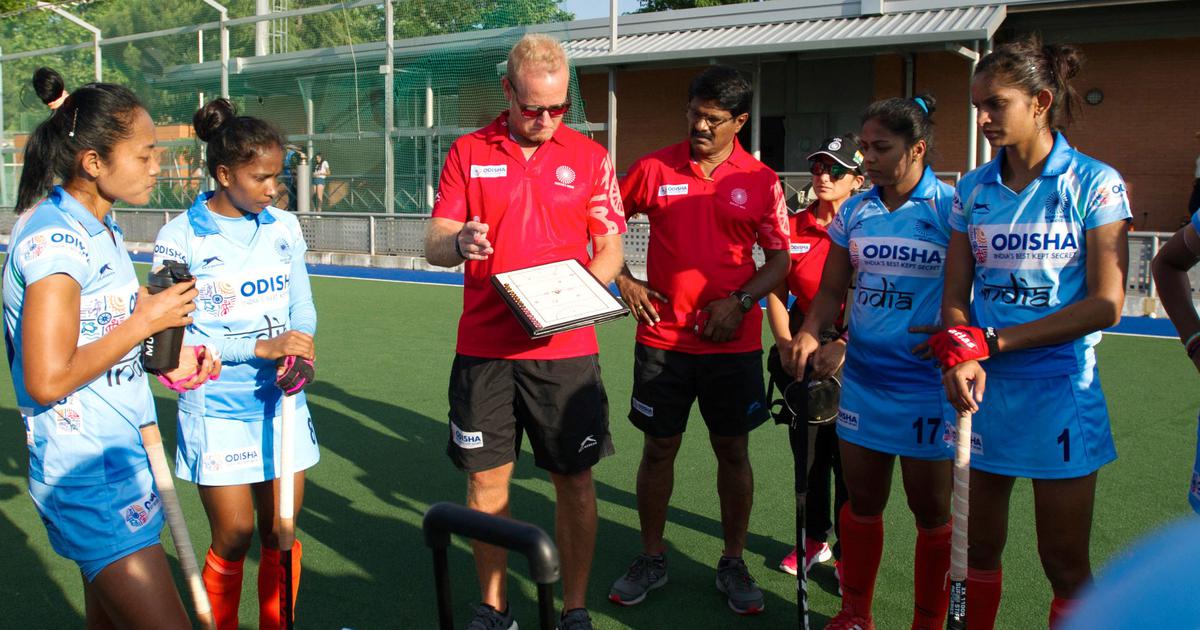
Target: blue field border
{"x":1133,"y":326}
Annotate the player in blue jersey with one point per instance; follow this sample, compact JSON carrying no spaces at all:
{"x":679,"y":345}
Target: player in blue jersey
{"x":891,"y":240}
{"x":1171,"y":265}
{"x":254,"y":307}
{"x":1035,"y":270}
{"x":73,"y":336}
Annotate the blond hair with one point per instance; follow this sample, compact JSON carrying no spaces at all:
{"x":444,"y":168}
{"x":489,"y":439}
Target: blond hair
{"x":535,"y":51}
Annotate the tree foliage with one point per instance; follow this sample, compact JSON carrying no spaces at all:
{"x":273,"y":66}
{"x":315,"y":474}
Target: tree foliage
{"x":649,"y":6}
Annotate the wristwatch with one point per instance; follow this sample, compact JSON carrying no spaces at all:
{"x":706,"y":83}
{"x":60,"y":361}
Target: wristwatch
{"x":745,"y":300}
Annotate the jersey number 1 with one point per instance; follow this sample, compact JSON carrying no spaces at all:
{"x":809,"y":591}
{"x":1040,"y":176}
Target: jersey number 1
{"x":1064,"y":438}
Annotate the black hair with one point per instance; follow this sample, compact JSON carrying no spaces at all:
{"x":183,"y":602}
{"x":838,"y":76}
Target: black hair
{"x":909,"y":118}
{"x":1032,"y":66}
{"x":724,"y":85}
{"x":232,"y":140}
{"x":94,"y":117}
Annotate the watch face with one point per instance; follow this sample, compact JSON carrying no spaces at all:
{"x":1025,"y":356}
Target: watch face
{"x":746,"y":300}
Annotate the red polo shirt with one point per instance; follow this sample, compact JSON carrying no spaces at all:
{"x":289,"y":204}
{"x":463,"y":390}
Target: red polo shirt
{"x":809,"y":248}
{"x":542,"y":210}
{"x":702,"y":236}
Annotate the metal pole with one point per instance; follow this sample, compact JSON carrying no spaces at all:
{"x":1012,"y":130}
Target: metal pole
{"x":224,"y":45}
{"x":303,"y":175}
{"x":261,"y":28}
{"x":389,"y":116}
{"x":96,"y":36}
{"x":3,"y":160}
{"x":429,"y":192}
{"x":985,"y":147}
{"x":612,"y":116}
{"x":909,"y":75}
{"x":972,"y":119}
{"x":756,"y":113}
{"x":612,"y":21}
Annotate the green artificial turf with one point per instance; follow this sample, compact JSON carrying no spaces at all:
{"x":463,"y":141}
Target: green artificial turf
{"x":379,"y":402}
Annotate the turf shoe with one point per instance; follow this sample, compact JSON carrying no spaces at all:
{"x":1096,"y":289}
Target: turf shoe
{"x":815,"y":551}
{"x":575,"y":619}
{"x":644,"y":574}
{"x":848,"y":619}
{"x":788,"y":564}
{"x":488,"y":618}
{"x":733,"y":579}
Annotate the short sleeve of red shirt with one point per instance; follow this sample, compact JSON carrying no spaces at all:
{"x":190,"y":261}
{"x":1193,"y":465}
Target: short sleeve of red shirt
{"x":773,"y":231}
{"x":543,"y":209}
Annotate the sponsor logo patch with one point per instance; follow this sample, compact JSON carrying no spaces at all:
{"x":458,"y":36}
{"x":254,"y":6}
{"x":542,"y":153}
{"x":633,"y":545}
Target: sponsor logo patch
{"x":800,"y":248}
{"x":466,"y":439}
{"x":672,"y":190}
{"x":588,"y":442}
{"x":642,"y":408}
{"x":565,"y":176}
{"x":847,"y":419}
{"x":489,"y":171}
{"x":56,"y":241}
{"x":139,"y":513}
{"x":236,"y":459}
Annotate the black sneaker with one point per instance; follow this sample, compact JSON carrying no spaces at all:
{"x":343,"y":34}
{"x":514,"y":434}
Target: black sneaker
{"x":733,"y":579}
{"x":488,"y":618}
{"x":575,"y":619}
{"x":645,"y":574}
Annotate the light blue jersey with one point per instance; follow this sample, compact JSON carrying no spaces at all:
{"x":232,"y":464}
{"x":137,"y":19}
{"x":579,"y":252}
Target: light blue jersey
{"x":898,"y":258}
{"x":252,"y":285}
{"x":1031,"y":250}
{"x":91,"y":436}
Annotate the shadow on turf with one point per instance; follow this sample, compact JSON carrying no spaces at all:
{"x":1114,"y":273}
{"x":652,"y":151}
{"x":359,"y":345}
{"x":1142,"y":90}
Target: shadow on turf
{"x":385,"y":577}
{"x":31,"y":598}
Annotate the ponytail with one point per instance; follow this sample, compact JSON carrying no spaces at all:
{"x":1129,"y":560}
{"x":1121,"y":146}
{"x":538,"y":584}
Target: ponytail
{"x":94,"y":117}
{"x":1032,"y":66}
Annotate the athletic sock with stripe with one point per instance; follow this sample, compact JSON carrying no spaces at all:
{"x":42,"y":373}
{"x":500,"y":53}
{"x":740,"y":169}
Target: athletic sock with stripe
{"x":223,"y":582}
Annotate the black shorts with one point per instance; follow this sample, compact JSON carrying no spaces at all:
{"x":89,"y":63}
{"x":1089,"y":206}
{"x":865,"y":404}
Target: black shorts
{"x":559,"y":403}
{"x":729,"y":386}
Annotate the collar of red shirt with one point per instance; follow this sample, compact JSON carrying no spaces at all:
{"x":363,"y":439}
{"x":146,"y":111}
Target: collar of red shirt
{"x":805,"y":220}
{"x":498,"y":133}
{"x":738,"y":159}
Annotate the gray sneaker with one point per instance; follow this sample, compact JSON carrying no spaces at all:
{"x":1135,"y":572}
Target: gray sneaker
{"x":733,"y":579}
{"x":575,"y":619}
{"x":488,"y":618}
{"x":645,"y":574}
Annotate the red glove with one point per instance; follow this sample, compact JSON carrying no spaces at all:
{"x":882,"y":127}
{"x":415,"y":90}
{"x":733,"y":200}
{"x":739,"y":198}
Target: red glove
{"x":292,"y":374}
{"x":962,"y":343}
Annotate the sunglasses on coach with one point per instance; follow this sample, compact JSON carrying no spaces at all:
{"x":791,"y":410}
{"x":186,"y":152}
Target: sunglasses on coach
{"x":536,"y":111}
{"x":835,"y":171}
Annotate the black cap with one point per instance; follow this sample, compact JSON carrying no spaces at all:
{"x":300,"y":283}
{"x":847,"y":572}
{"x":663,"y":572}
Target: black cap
{"x":842,"y":150}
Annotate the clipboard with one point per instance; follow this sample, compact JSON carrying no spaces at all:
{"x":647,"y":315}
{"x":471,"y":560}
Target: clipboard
{"x":556,"y":297}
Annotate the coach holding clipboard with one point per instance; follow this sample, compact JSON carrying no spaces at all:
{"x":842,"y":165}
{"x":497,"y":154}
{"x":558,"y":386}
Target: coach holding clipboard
{"x":522,"y":191}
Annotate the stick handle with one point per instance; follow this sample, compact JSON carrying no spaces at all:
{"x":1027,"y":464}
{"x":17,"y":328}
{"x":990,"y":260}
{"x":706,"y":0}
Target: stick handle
{"x":287,"y":476}
{"x":152,"y":440}
{"x":960,"y":511}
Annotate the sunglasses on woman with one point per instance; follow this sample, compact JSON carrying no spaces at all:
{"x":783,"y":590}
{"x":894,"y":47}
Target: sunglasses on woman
{"x":835,"y":171}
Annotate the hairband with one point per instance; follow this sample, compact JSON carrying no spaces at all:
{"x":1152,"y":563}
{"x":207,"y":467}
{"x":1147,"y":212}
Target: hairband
{"x":56,"y":103}
{"x":74,"y":118}
{"x":921,"y":103}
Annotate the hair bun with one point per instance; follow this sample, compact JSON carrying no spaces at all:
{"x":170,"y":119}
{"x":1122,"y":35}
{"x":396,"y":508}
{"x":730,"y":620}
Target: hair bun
{"x":214,"y":115}
{"x":48,"y":84}
{"x":1064,"y":59}
{"x":926,"y":102}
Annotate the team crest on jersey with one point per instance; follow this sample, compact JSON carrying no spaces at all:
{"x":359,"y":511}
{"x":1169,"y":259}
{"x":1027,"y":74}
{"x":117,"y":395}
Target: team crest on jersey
{"x":139,"y":513}
{"x":738,"y":196}
{"x":217,"y":298}
{"x":980,"y":245}
{"x":922,"y":229}
{"x":854,"y":253}
{"x":1056,"y":206}
{"x":284,"y":249}
{"x":67,"y":419}
{"x":565,"y":176}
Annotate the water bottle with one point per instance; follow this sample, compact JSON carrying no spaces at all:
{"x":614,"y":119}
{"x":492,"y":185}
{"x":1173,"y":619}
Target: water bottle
{"x":160,"y":353}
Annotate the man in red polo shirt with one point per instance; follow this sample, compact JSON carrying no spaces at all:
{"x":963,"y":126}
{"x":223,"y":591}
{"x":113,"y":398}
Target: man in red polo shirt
{"x":523,"y":191}
{"x":700,"y":329}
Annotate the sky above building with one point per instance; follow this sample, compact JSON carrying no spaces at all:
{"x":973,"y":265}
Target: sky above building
{"x":584,"y":9}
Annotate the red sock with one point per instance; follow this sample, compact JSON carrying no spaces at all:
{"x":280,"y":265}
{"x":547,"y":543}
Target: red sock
{"x":931,"y":564}
{"x":862,"y":548}
{"x":223,"y":581}
{"x":1060,"y":608}
{"x":270,"y":586}
{"x":983,"y":597}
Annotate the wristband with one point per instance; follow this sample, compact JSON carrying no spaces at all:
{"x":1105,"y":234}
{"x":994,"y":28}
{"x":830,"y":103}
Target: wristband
{"x":992,"y":340}
{"x":1192,"y":344}
{"x":458,"y":248}
{"x":1191,"y":340}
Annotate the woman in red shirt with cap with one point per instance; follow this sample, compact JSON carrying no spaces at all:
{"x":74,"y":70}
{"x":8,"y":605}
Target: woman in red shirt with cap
{"x":837,"y":174}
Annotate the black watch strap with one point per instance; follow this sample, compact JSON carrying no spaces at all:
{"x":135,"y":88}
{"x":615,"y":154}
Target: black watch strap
{"x":745,"y":300}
